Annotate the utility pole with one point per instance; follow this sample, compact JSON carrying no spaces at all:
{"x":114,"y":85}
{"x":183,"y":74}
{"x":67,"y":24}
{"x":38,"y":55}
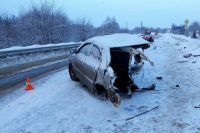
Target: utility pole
{"x":142,"y":27}
{"x":186,"y":22}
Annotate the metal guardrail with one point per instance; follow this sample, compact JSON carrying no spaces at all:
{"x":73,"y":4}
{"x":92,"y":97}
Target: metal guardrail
{"x":16,"y":79}
{"x":6,"y":53}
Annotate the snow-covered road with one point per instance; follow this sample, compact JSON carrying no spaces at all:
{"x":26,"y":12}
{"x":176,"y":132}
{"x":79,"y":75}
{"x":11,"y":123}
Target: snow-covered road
{"x":59,"y":105}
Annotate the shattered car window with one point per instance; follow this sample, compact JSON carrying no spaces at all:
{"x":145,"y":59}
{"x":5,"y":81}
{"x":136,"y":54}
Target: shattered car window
{"x":85,"y":49}
{"x":95,"y":52}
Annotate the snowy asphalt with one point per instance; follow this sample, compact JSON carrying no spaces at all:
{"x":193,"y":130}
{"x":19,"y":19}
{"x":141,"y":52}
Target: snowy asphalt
{"x":59,"y":105}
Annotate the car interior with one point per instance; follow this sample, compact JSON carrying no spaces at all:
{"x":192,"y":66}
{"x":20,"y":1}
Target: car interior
{"x":120,"y":61}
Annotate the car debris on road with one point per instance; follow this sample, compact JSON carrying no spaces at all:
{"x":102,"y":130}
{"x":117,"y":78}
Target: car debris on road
{"x":130,"y":118}
{"x":187,"y":55}
{"x":159,"y":78}
{"x":190,"y":55}
{"x":197,"y":106}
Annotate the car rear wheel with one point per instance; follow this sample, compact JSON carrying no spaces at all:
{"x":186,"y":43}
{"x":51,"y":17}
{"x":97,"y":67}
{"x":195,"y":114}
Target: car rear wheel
{"x":72,"y":73}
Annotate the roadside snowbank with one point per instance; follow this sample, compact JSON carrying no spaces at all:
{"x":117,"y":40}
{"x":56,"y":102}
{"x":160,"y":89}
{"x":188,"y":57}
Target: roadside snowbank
{"x":36,"y":46}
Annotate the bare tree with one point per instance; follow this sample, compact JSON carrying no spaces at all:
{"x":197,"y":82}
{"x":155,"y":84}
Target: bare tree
{"x":83,"y":29}
{"x":44,"y":23}
{"x":110,"y":26}
{"x":195,"y":26}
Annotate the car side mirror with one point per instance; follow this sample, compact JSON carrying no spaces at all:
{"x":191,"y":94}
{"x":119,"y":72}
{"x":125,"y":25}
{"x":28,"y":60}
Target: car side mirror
{"x":73,"y":51}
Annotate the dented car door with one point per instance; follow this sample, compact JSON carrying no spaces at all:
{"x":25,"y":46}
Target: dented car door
{"x":80,"y":63}
{"x":92,"y":64}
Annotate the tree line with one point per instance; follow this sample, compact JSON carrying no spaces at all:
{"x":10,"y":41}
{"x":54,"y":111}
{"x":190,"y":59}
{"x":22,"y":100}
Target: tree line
{"x":45,"y":24}
{"x":186,"y":28}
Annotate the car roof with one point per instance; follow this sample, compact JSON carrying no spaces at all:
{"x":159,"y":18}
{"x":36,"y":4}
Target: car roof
{"x":117,"y":40}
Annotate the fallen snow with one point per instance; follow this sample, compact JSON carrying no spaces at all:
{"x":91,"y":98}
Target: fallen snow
{"x":21,"y":59}
{"x":35,"y":46}
{"x":118,"y":40}
{"x":59,"y":105}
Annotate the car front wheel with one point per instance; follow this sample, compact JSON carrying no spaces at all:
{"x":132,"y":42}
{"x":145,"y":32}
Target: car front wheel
{"x":72,"y":73}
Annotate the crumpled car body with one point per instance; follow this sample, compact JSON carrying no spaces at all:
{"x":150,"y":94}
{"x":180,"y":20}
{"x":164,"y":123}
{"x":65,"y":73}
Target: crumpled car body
{"x":103,"y":64}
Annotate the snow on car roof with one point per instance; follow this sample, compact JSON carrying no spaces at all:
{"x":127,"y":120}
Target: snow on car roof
{"x":118,"y":40}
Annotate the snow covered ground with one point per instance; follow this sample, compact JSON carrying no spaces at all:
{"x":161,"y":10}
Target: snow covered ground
{"x":59,"y":105}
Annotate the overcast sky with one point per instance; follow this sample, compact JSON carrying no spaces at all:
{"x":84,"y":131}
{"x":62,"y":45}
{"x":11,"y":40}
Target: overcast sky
{"x":129,"y":13}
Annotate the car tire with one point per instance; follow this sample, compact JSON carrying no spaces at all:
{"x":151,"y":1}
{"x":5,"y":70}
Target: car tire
{"x":72,"y":73}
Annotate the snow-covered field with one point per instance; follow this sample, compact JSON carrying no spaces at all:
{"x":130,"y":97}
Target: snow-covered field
{"x":59,"y":105}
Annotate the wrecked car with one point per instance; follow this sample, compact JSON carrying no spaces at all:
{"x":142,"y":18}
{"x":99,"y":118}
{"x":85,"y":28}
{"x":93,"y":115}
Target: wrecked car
{"x":103,"y":64}
{"x":147,"y":36}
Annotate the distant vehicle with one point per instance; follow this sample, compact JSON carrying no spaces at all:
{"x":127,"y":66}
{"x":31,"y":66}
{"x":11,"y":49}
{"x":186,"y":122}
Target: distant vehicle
{"x":103,"y":64}
{"x":147,"y":36}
